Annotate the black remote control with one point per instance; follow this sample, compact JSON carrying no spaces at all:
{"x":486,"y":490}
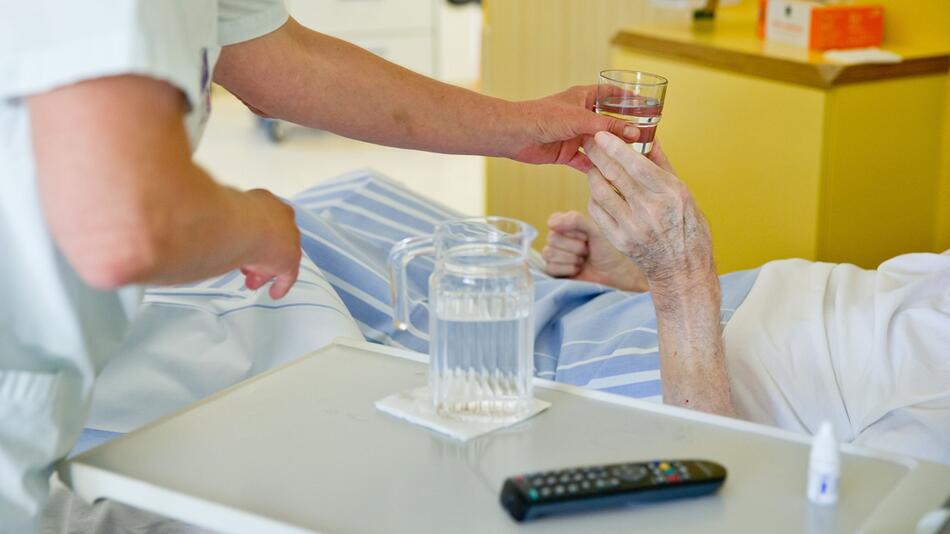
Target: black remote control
{"x":600,"y":486}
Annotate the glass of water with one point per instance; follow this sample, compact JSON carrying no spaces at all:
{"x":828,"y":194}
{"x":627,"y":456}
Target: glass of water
{"x":481,"y":328}
{"x":633,"y":96}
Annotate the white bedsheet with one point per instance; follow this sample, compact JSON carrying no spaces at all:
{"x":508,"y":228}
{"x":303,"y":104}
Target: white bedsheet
{"x":189,"y":342}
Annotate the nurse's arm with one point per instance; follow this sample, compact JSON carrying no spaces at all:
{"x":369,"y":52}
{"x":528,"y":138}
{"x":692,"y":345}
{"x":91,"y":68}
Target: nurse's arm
{"x":125,"y":203}
{"x":312,"y":79}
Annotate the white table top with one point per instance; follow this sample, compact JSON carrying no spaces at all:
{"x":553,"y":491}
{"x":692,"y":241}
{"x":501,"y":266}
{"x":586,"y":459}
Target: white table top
{"x":302,"y":449}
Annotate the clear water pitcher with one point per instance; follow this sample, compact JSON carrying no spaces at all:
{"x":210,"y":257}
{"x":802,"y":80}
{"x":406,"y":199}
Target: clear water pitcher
{"x":481,"y":330}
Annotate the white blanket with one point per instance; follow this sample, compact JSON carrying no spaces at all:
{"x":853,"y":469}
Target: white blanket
{"x":867,"y":350}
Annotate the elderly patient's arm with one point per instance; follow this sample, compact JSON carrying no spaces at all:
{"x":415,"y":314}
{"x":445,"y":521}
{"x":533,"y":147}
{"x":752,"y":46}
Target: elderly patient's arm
{"x":657,"y":224}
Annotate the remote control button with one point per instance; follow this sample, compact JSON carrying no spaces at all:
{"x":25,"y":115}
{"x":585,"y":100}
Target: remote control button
{"x":614,"y":482}
{"x":591,"y":475}
{"x":673,"y":478}
{"x":533,"y":494}
{"x":550,"y":480}
{"x":545,"y":492}
{"x":664,"y":466}
{"x":572,"y":488}
{"x":630,"y":473}
{"x":577,"y":477}
{"x":537,"y":482}
{"x":600,"y":483}
{"x":658,"y":480}
{"x":564,"y":479}
{"x":559,"y":490}
{"x":585,"y":485}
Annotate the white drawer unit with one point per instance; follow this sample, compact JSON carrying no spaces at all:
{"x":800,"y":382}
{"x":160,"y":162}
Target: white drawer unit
{"x":402,"y":31}
{"x":411,"y":51}
{"x":338,"y":17}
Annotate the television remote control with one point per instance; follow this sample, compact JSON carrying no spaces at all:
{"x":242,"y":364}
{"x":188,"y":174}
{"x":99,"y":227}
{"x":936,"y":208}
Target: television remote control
{"x":600,"y":486}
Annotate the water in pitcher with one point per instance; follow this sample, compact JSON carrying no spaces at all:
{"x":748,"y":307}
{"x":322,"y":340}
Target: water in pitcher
{"x":482,"y":334}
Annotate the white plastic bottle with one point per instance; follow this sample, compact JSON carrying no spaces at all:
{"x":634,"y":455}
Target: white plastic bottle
{"x":824,"y":467}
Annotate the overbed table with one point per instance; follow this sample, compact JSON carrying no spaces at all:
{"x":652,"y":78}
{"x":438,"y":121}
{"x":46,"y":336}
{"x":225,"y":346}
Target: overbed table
{"x":302,"y":449}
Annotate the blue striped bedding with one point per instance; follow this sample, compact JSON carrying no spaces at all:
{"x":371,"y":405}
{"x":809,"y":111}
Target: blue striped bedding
{"x":585,"y":334}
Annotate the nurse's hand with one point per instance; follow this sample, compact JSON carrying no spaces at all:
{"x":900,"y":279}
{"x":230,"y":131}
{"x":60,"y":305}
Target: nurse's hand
{"x":276,"y":254}
{"x":654,"y":219}
{"x":554,"y":128}
{"x":577,"y":249}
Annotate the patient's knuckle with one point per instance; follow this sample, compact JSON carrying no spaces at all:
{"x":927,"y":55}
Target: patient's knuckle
{"x":600,"y":192}
{"x":614,"y":169}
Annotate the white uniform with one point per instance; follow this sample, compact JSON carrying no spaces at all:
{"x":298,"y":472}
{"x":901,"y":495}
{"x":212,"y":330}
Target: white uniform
{"x":867,"y":350}
{"x":56,"y":333}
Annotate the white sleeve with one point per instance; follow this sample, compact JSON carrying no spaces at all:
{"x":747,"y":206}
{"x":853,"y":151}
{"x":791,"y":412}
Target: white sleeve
{"x":243,"y":20}
{"x":46,"y":44}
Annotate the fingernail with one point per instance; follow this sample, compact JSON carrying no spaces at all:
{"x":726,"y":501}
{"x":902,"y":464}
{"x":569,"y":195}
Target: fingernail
{"x":631,"y":132}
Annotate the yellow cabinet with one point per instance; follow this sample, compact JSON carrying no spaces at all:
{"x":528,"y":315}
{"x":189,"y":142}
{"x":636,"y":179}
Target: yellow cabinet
{"x":790,"y":156}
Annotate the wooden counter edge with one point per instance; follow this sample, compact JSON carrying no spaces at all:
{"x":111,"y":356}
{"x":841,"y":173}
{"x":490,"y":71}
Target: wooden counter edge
{"x":825,"y":75}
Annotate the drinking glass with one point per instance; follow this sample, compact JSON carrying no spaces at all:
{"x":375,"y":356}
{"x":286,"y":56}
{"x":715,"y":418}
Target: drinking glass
{"x":633,"y":96}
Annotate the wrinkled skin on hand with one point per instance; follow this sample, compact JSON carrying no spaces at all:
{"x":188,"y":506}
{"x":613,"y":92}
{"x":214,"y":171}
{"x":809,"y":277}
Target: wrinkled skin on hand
{"x":653,"y":220}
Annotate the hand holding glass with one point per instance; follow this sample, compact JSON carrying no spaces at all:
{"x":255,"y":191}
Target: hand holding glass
{"x":633,"y":96}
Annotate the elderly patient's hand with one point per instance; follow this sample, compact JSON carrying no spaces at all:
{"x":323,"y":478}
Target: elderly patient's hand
{"x":656,"y":221}
{"x":577,"y":249}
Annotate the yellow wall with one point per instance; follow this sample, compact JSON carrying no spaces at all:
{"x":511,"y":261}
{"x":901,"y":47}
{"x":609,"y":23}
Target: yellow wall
{"x":942,"y":234}
{"x":917,"y":23}
{"x":533,"y":48}
{"x":925,"y":24}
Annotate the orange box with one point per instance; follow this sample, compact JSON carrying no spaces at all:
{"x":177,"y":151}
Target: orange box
{"x":819,"y":27}
{"x":846,"y":27}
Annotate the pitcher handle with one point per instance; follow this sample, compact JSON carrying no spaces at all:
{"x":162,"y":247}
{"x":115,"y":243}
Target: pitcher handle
{"x":401,"y":254}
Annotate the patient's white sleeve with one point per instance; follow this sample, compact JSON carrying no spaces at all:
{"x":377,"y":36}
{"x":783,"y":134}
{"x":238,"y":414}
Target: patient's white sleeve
{"x":868,"y":350}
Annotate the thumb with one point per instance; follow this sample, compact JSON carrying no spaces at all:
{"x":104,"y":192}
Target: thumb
{"x":570,"y":223}
{"x":602,"y":123}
